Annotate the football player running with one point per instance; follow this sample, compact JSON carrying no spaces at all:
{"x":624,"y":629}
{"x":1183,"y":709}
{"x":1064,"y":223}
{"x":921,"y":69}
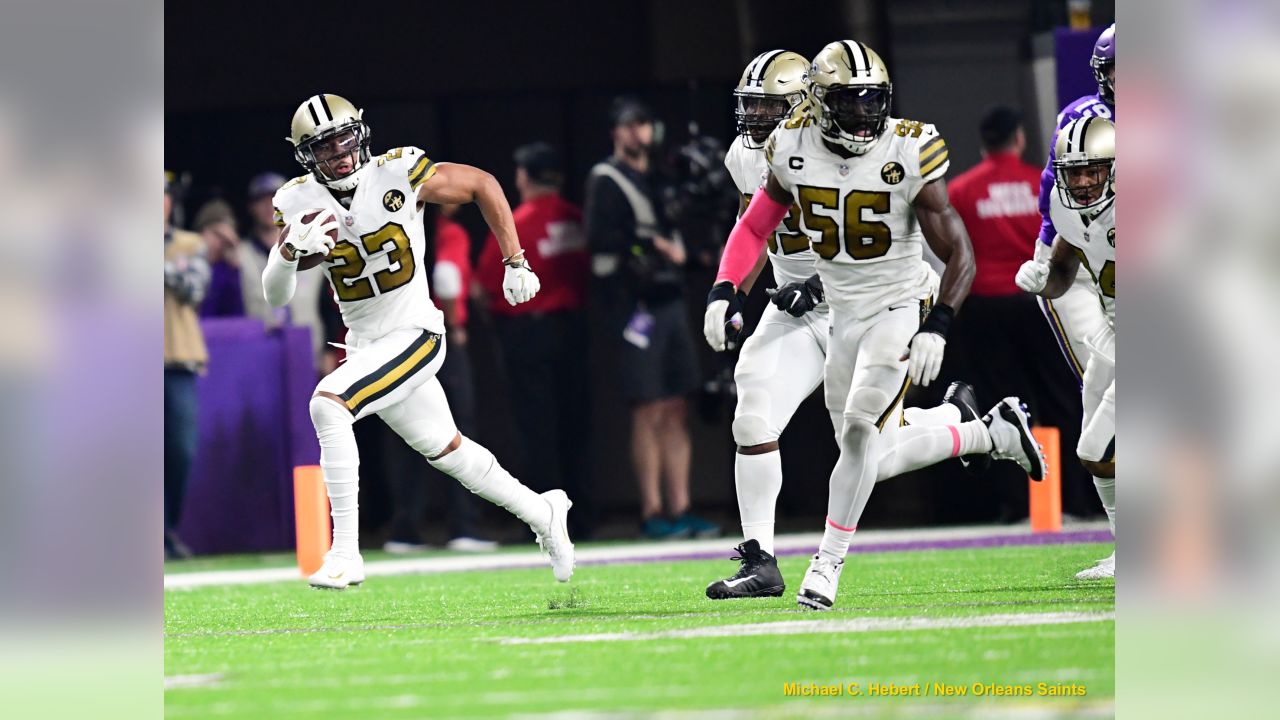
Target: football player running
{"x":782,"y":362}
{"x":869,"y":190}
{"x":373,"y":257}
{"x":1084,"y":215}
{"x":1076,"y":316}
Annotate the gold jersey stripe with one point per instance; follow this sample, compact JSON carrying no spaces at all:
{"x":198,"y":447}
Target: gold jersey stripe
{"x":410,"y":364}
{"x":933,"y":164}
{"x":416,"y":182}
{"x":419,"y":166}
{"x":932,"y":148}
{"x":277,"y":217}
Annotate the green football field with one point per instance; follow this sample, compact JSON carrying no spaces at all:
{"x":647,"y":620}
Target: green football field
{"x":639,"y":639}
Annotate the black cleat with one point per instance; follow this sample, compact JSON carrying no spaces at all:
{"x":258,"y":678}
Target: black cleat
{"x":961,"y":395}
{"x":758,"y":576}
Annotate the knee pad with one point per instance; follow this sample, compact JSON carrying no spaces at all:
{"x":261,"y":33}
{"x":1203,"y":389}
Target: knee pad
{"x":749,"y":430}
{"x":330,"y":418}
{"x":866,"y":403}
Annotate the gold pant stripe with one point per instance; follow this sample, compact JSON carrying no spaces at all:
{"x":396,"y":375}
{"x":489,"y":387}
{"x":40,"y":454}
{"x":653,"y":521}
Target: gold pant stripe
{"x":409,"y":365}
{"x":1066,"y":341}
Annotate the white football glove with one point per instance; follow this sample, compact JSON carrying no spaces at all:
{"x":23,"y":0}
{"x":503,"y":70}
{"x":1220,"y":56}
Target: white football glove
{"x":1032,"y":276}
{"x":519,"y":284}
{"x":713,"y":324}
{"x":312,"y":238}
{"x":925,"y":357}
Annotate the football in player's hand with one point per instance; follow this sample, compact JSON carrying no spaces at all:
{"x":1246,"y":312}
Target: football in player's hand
{"x":306,"y":262}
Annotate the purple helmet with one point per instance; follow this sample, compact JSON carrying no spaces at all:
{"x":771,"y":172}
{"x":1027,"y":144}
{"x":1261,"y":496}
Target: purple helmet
{"x":1104,"y":57}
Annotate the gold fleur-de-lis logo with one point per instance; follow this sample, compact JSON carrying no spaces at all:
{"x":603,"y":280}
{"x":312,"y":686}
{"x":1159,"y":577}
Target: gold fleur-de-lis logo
{"x":892,"y":173}
{"x":393,"y":200}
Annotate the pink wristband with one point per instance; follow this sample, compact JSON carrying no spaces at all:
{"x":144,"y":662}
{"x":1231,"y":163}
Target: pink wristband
{"x":748,"y":236}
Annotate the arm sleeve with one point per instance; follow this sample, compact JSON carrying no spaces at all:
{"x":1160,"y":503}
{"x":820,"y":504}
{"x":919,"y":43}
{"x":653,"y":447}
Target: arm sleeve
{"x":279,"y":279}
{"x":747,"y":239}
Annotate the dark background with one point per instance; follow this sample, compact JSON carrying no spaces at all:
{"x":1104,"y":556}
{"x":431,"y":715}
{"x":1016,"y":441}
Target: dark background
{"x":469,"y":81}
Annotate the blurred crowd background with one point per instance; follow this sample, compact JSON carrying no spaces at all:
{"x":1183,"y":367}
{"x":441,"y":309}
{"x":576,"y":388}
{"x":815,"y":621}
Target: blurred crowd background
{"x":550,"y":386}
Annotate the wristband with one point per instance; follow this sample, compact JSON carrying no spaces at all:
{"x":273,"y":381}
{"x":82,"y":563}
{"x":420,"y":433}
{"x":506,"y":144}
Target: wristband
{"x":938,"y":320}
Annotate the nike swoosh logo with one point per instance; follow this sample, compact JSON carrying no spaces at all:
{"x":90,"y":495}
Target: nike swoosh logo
{"x":739,"y":581}
{"x":335,"y":576}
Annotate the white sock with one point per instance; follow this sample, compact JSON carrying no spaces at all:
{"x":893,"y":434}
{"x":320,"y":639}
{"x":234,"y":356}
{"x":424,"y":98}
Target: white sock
{"x":835,"y":542}
{"x":944,"y":414}
{"x":913,"y":447}
{"x":1107,"y":494}
{"x":974,"y":437}
{"x":340,"y":463}
{"x":852,"y":480}
{"x":758,"y":479}
{"x":478,"y":470}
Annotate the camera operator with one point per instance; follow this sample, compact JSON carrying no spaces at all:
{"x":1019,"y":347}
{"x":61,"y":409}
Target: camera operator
{"x":640,"y":268}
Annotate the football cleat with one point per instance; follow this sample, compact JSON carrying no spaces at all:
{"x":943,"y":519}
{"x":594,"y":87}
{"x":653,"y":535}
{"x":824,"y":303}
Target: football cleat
{"x":1105,"y":568}
{"x":555,"y":542}
{"x":821,"y":581}
{"x":961,"y":395}
{"x":1010,"y":428}
{"x":758,"y":576}
{"x":339,"y":571}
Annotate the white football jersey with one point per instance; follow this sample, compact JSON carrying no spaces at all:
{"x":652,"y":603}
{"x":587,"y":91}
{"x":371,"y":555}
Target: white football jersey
{"x":376,"y":269}
{"x":789,"y":252}
{"x":857,"y":211}
{"x":1095,"y":244}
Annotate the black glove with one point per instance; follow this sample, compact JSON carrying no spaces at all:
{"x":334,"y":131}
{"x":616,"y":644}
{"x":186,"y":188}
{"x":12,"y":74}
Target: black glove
{"x":798,"y":298}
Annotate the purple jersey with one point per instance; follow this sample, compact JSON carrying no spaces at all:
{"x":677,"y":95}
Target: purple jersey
{"x":1087,"y":106}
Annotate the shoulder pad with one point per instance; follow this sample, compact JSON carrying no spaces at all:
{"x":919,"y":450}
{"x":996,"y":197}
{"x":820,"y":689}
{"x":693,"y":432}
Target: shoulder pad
{"x":412,"y":161}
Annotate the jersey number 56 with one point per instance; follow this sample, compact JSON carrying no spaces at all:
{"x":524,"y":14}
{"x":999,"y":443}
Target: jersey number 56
{"x":863,"y":238}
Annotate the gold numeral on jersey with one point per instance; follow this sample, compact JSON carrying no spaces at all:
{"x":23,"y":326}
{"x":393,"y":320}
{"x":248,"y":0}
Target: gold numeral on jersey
{"x":828,"y":244}
{"x":909,"y":127}
{"x":863,"y":239}
{"x":349,"y":264}
{"x":391,"y":237}
{"x":792,"y":241}
{"x":1106,"y":280}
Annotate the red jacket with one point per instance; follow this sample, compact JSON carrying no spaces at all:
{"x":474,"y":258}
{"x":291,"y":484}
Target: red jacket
{"x":999,"y":202}
{"x":453,"y":246}
{"x":550,"y":231}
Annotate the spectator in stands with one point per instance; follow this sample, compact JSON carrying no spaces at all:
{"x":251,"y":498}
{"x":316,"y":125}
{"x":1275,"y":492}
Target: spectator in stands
{"x":305,"y":307}
{"x":544,"y":341}
{"x":639,"y":266}
{"x":449,"y":281}
{"x":216,"y":223}
{"x":1000,"y":343}
{"x":186,"y":277}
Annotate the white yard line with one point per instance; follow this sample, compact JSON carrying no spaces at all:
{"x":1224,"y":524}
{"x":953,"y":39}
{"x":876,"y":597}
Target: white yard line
{"x":828,"y":627}
{"x":172,"y":682}
{"x":634,"y":552}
